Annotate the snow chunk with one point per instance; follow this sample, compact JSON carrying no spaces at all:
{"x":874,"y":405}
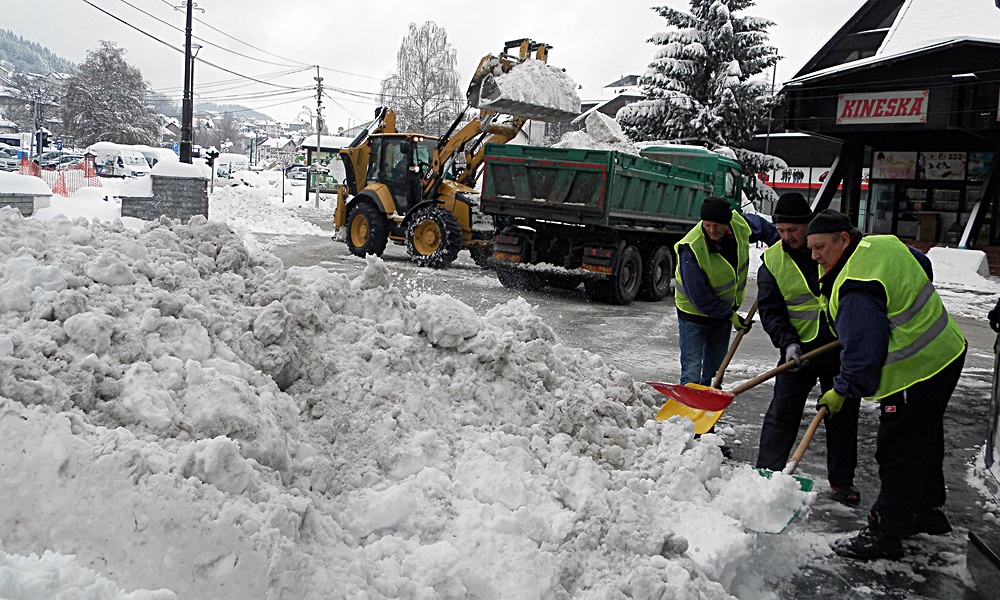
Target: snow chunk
{"x":146,"y":398}
{"x":91,"y":331}
{"x":110,"y":270}
{"x":447,"y":322}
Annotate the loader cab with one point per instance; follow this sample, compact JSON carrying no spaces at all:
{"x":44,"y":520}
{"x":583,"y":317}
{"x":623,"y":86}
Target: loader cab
{"x":400,"y":161}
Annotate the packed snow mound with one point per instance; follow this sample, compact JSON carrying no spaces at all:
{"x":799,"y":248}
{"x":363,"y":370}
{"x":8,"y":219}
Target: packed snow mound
{"x":247,"y":208}
{"x":190,"y":420}
{"x":532,"y":89}
{"x":602,"y":133}
{"x":15,"y":183}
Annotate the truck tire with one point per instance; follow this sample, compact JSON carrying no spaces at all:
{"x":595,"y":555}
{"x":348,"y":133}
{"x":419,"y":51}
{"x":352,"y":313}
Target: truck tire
{"x":657,"y":270}
{"x":367,"y":230}
{"x":623,"y":285}
{"x":516,"y":279}
{"x":433,"y":237}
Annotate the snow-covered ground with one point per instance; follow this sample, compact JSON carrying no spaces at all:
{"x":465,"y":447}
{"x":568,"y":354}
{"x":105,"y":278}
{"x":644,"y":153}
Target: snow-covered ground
{"x":181,"y":417}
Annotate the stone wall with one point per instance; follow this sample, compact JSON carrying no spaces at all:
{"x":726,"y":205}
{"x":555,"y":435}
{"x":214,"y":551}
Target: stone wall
{"x":176,"y":197}
{"x":25,"y":203}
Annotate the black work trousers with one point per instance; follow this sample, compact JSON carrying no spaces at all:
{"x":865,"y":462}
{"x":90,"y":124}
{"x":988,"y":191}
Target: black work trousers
{"x":784,"y":416}
{"x":909,"y":450}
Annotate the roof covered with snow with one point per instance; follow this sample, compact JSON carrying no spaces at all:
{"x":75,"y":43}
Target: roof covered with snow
{"x":918,"y":26}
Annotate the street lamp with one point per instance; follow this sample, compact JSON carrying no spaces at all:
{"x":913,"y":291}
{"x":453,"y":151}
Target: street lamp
{"x":187,"y":104}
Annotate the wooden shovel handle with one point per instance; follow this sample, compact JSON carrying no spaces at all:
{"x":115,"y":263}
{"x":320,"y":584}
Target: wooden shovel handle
{"x":782,"y":368}
{"x":800,"y":451}
{"x":717,"y":382}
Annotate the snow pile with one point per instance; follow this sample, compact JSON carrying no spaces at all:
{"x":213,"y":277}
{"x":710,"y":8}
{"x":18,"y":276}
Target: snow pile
{"x":179,"y":417}
{"x":602,"y":133}
{"x":247,"y":209}
{"x":23,"y":185}
{"x":960,"y":277}
{"x":533,"y":89}
{"x":181,"y":169}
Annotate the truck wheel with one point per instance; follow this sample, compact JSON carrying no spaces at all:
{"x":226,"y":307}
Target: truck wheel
{"x":623,"y":285}
{"x":433,"y":237}
{"x":516,"y":279}
{"x":367,"y":230}
{"x":657,"y":270}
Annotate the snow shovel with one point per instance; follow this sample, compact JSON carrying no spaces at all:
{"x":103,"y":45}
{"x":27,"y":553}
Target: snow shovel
{"x":704,"y":420}
{"x":805,"y":484}
{"x":705,"y":405}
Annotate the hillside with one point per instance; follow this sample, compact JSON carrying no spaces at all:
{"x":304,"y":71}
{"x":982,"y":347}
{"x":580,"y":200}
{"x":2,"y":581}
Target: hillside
{"x":29,"y":56}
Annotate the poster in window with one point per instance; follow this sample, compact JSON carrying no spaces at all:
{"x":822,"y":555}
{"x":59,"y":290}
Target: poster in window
{"x":894,"y":165}
{"x":979,"y":164}
{"x":948,"y":166}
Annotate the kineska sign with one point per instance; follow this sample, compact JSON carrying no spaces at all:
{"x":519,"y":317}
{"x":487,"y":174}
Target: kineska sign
{"x":882,"y":107}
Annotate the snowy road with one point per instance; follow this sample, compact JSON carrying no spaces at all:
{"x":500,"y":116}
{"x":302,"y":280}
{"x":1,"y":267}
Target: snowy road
{"x":642,"y":340}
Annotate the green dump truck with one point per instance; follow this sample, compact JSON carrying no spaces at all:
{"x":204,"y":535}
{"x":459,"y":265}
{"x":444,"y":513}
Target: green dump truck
{"x":604,"y":218}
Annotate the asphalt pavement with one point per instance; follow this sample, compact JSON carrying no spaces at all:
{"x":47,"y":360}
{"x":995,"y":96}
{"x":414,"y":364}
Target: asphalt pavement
{"x":641,"y":339}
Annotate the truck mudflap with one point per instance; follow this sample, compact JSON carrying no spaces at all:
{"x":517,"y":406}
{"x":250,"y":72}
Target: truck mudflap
{"x":598,"y":259}
{"x":508,"y":248}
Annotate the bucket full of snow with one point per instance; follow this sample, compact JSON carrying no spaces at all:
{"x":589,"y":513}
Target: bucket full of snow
{"x":531,"y":89}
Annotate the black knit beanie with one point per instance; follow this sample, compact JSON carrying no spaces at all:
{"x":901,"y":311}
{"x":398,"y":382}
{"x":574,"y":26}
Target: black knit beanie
{"x":791,"y":208}
{"x":829,"y":221}
{"x":717,"y":210}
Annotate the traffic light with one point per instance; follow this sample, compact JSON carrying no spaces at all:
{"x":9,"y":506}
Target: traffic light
{"x":41,"y":139}
{"x":210,"y":155}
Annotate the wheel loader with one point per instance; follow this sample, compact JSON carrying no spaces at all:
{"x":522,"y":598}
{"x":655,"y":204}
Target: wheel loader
{"x":417,"y":190}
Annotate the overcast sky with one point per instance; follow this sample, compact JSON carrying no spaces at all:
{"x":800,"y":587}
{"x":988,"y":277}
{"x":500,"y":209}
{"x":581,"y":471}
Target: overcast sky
{"x":355,"y":43}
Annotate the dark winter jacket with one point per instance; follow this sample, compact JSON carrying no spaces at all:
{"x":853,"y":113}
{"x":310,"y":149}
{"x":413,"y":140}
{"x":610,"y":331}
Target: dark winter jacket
{"x":696,"y":285}
{"x":865,"y":334}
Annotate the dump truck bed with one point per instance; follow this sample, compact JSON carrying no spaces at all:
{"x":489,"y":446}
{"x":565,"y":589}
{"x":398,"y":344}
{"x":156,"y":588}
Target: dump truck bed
{"x":606,"y":188}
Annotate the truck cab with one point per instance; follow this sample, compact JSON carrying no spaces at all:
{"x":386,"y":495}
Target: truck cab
{"x":727,"y":172}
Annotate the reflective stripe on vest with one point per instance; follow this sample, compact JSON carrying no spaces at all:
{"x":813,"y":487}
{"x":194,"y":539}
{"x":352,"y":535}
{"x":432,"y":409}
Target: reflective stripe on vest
{"x":726,"y":283}
{"x":803,"y":306}
{"x":923,"y":337}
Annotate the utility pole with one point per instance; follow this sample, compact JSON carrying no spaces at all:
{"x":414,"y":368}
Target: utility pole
{"x":187,"y":104}
{"x":314,"y":167}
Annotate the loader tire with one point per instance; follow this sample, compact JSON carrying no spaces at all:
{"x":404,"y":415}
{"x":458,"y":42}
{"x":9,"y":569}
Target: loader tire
{"x":367,"y":230}
{"x":657,"y":271}
{"x":433,"y":237}
{"x":622,"y":286}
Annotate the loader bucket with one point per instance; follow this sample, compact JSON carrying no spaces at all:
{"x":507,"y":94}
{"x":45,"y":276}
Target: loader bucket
{"x":530,"y":89}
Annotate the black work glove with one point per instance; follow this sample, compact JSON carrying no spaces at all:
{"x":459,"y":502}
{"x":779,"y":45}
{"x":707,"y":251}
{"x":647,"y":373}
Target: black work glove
{"x":794,"y":352}
{"x":994,"y":317}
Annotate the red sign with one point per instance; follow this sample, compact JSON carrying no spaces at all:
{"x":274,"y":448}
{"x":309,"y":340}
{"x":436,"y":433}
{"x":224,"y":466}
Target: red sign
{"x":882,"y":107}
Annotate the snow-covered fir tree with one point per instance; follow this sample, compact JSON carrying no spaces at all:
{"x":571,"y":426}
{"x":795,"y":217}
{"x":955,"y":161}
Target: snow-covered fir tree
{"x":702,"y":84}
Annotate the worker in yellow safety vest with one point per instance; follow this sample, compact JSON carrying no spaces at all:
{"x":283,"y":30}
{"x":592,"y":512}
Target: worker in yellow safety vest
{"x":902,"y":348}
{"x":788,"y":301}
{"x":711,"y":275}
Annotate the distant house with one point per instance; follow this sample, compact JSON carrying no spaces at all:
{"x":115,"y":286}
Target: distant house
{"x":608,"y":99}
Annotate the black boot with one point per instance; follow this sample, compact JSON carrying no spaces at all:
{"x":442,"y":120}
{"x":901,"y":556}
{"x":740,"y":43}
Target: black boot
{"x":845,"y":494}
{"x":932,"y":522}
{"x":870,"y":543}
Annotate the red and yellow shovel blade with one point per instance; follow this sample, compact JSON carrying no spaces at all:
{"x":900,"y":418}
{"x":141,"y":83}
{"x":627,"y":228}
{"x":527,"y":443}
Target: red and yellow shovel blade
{"x":694,"y":396}
{"x":703,"y":420}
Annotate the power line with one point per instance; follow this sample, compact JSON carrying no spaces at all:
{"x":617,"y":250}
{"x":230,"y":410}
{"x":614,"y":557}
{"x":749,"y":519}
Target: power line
{"x":172,"y":26}
{"x":244,"y":43}
{"x":176,"y":49}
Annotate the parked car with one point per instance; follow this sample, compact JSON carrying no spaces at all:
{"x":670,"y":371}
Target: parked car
{"x":48,"y":160}
{"x":288,"y":169}
{"x":70,"y":161}
{"x":8,"y":161}
{"x":298,"y":172}
{"x":67,"y":159}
